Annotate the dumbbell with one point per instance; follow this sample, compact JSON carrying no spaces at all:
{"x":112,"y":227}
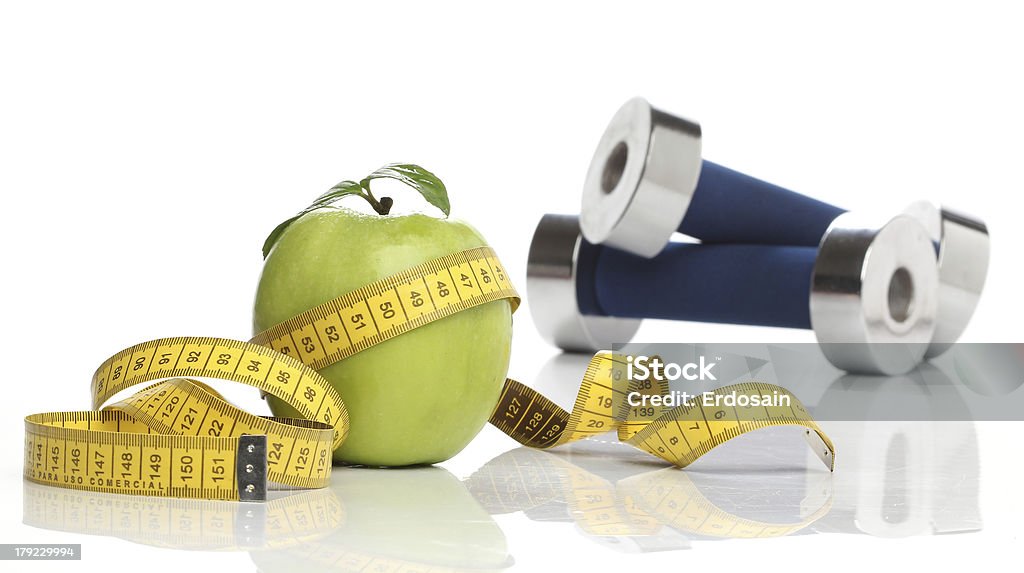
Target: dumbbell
{"x":647,"y":180}
{"x":869,"y":292}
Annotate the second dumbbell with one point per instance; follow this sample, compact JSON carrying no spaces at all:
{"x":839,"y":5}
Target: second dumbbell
{"x":869,"y":292}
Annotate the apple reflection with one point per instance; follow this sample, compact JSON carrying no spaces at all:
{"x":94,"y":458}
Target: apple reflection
{"x":414,"y":519}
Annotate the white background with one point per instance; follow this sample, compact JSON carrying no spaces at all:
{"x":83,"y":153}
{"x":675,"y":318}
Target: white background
{"x":147,"y":150}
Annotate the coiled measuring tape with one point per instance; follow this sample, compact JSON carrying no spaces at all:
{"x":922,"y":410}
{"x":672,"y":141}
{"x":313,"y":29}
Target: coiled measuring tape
{"x":678,"y":435}
{"x":179,"y":438}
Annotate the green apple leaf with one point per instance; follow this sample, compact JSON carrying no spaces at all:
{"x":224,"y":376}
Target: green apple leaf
{"x":428,"y":185}
{"x":275,"y":235}
{"x":418,"y":178}
{"x":333,"y":194}
{"x":340,"y":190}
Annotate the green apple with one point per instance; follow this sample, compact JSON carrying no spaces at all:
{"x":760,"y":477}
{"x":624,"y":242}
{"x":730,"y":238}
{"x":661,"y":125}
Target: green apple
{"x":420,"y":397}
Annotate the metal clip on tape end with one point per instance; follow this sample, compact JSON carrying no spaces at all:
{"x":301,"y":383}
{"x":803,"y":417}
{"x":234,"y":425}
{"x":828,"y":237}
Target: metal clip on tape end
{"x":647,"y":180}
{"x":251,"y":468}
{"x":869,"y":292}
{"x":820,"y":449}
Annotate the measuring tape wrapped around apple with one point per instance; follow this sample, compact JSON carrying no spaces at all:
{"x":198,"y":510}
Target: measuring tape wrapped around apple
{"x":338,"y":390}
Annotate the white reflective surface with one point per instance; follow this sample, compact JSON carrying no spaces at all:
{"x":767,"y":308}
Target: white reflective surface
{"x":892,"y":480}
{"x":596,"y":504}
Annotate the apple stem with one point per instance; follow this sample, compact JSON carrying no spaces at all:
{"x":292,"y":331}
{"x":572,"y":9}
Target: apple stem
{"x":382,"y":207}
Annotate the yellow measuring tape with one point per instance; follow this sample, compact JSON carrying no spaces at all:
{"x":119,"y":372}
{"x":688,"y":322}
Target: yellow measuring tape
{"x":678,"y":435}
{"x":179,"y":438}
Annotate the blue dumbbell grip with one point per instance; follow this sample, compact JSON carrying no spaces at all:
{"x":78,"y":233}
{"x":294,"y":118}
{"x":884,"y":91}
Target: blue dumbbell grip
{"x":735,"y":284}
{"x":730,"y":207}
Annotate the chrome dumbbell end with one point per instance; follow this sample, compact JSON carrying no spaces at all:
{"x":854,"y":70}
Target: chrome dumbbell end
{"x":874,"y":293}
{"x":641,"y":179}
{"x":962,"y":247}
{"x":553,"y":290}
